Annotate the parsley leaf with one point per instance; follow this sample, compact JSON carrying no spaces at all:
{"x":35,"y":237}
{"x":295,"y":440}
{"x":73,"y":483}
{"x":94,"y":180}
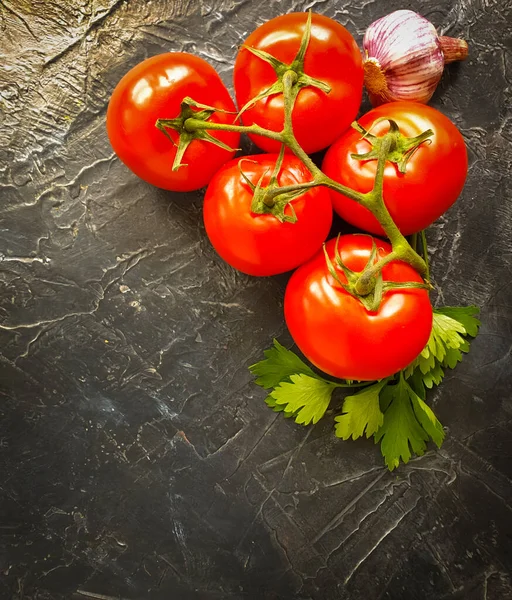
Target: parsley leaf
{"x":448,"y":340}
{"x":427,"y":418}
{"x":400,"y":432}
{"x":361,"y":413}
{"x":433,"y":377}
{"x":279,"y":365}
{"x":465,"y":315}
{"x":304,"y":396}
{"x":270,"y":402}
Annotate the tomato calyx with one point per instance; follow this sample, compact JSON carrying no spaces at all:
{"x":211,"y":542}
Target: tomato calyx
{"x":185,"y":135}
{"x":301,"y":79}
{"x":401,"y":148}
{"x":368,"y":285}
{"x":272,"y":198}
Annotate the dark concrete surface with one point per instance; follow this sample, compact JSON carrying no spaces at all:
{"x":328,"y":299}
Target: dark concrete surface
{"x":138,"y":459}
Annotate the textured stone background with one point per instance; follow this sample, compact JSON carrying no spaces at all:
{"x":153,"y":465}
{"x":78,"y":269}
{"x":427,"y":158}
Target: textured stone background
{"x":138,"y":460}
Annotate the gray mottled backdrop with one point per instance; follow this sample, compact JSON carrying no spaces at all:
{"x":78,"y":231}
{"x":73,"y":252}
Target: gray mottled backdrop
{"x":138,"y":460}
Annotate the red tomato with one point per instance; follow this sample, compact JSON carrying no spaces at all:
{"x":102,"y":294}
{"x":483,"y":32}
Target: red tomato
{"x":259,"y":244}
{"x":334,"y":330}
{"x":332,"y":56}
{"x":154,"y":89}
{"x":433,"y":180}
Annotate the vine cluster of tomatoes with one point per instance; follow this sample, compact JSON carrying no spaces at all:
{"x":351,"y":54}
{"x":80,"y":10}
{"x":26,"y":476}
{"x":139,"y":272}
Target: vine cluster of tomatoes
{"x":357,"y":307}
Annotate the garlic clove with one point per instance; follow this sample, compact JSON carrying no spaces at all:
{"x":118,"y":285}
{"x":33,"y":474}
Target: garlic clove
{"x":405,"y":58}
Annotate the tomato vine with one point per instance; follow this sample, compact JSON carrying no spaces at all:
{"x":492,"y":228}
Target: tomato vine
{"x":359,"y":309}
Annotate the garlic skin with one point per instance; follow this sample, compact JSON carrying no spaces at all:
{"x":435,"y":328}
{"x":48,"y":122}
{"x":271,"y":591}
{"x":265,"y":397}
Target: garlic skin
{"x":404,"y":57}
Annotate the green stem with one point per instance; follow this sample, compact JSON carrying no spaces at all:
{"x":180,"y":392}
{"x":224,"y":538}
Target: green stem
{"x":289,"y":97}
{"x":327,"y":182}
{"x":366,"y":282}
{"x":320,"y":180}
{"x":197,"y":124}
{"x":414,"y":242}
{"x":290,"y":94}
{"x":285,"y":189}
{"x":424,"y":249}
{"x":375,"y":203}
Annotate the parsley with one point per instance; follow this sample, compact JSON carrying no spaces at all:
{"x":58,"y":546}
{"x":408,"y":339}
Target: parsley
{"x":450,"y":329}
{"x":465,"y":315}
{"x":393,"y":410}
{"x":408,"y":424}
{"x":271,"y":403}
{"x":361,"y":413}
{"x":297,"y":390}
{"x":279,"y":364}
{"x":304,"y":397}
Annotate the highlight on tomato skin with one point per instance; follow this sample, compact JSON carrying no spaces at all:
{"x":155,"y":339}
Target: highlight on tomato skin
{"x":259,"y":244}
{"x":332,"y":57}
{"x":154,"y":89}
{"x":336,"y":332}
{"x":435,"y":173}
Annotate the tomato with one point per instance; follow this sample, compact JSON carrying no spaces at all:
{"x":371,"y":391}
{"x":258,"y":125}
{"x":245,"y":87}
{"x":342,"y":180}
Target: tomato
{"x":335,"y":331}
{"x":154,"y":89}
{"x":259,"y":244}
{"x":332,"y":56}
{"x":434,"y":177}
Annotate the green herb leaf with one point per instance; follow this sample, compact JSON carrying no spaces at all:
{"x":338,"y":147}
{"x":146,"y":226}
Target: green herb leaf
{"x":433,"y":377}
{"x":427,"y":418}
{"x":304,"y":395}
{"x":465,"y":315}
{"x":400,"y":432}
{"x":448,"y":340}
{"x":361,"y":413}
{"x":270,"y":402}
{"x":279,"y":365}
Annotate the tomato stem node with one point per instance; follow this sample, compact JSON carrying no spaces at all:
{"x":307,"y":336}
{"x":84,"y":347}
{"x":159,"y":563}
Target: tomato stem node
{"x":400,"y":149}
{"x":186,"y":134}
{"x":294,"y":71}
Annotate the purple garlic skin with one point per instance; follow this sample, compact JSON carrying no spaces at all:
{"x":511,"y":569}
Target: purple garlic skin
{"x":404,"y":57}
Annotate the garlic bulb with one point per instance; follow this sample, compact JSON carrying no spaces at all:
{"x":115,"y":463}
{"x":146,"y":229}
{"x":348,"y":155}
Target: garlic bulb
{"x":404,"y":57}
